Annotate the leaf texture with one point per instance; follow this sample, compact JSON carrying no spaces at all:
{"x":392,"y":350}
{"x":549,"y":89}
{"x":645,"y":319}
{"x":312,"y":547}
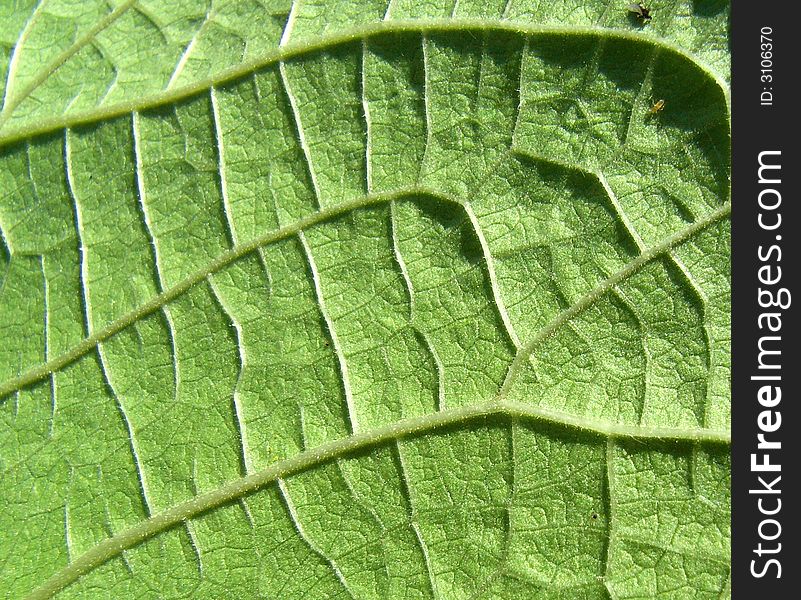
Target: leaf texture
{"x":348,"y":299}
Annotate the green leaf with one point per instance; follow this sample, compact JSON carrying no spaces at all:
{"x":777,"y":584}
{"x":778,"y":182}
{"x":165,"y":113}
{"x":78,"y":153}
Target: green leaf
{"x":348,"y":299}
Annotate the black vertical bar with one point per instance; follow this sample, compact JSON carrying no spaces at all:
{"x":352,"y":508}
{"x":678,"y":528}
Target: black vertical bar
{"x":765,"y":266}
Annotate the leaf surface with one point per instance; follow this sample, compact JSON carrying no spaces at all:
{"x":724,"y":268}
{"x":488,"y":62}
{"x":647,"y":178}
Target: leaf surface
{"x":342,"y":299}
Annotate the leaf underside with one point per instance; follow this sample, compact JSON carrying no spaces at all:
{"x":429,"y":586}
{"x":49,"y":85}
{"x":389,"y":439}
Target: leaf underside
{"x":342,"y":299}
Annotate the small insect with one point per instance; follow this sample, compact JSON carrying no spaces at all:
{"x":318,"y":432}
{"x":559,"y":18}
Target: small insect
{"x":595,"y":516}
{"x":658,"y":107}
{"x":641,"y":13}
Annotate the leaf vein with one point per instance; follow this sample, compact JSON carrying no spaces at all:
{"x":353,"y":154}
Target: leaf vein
{"x":329,"y":324}
{"x":287,"y":51}
{"x":666,"y":245}
{"x":293,"y":515}
{"x":157,"y":302}
{"x":239,"y":415}
{"x":496,"y":290}
{"x":276,"y":472}
{"x":293,"y":103}
{"x":406,"y":490}
{"x":12,"y":63}
{"x":218,"y":135}
{"x":12,"y":102}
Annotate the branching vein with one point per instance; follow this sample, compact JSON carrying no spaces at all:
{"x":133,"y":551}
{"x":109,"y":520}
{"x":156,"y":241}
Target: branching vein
{"x":343,"y":365}
{"x":238,"y":488}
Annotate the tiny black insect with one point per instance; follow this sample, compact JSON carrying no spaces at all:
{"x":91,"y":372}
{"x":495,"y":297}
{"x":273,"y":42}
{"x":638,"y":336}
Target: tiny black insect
{"x":594,"y":516}
{"x":643,"y":13}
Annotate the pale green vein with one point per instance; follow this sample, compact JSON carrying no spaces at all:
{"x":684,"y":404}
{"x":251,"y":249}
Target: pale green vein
{"x":238,"y":488}
{"x":15,"y":53}
{"x":603,"y":287}
{"x":179,"y":67}
{"x":79,"y":230}
{"x":368,"y":147}
{"x":290,"y":23}
{"x":297,"y":523}
{"x":329,"y":325}
{"x":160,"y":300}
{"x":684,"y":552}
{"x":496,"y":290}
{"x":13,"y":101}
{"x":190,"y":533}
{"x":221,"y":166}
{"x":726,"y":591}
{"x":133,"y":445}
{"x":293,"y":104}
{"x":621,"y":214}
{"x":507,"y":7}
{"x":239,"y":412}
{"x":697,"y":290}
{"x":47,"y":346}
{"x":426,"y":103}
{"x":388,"y":11}
{"x":406,"y":490}
{"x":289,"y":50}
{"x":407,"y":281}
{"x":222,"y":261}
{"x":708,"y":337}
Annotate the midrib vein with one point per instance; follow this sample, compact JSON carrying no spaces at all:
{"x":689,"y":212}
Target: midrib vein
{"x":238,"y":488}
{"x":291,"y":50}
{"x":43,"y":370}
